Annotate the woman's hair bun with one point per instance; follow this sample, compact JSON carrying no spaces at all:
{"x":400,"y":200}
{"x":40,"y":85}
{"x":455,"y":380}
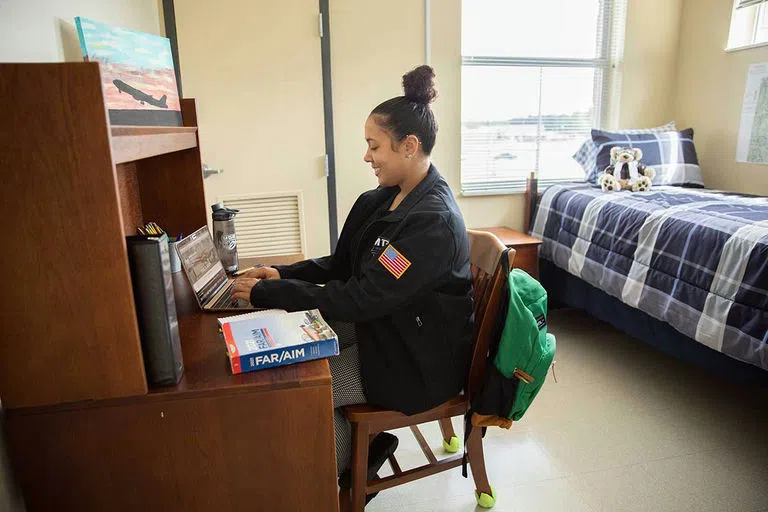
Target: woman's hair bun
{"x":419,"y":85}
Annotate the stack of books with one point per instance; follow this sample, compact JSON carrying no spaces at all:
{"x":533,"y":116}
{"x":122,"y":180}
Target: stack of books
{"x":274,"y":337}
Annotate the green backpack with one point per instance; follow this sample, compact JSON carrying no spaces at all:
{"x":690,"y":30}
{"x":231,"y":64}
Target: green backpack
{"x":520,"y":356}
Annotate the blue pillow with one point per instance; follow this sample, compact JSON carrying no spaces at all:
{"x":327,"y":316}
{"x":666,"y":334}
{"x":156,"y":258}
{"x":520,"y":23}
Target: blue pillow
{"x":671,"y":154}
{"x":587,"y":153}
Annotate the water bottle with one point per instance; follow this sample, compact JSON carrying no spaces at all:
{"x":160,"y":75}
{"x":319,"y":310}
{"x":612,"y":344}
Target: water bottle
{"x":224,"y":237}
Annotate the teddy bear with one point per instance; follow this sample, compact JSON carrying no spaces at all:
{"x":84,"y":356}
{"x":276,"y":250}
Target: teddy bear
{"x":626,"y":172}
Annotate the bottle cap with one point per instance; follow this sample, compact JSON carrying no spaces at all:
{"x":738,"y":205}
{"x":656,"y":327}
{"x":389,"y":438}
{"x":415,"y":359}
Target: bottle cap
{"x":221,"y":212}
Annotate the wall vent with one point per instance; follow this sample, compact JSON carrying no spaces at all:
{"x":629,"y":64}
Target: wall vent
{"x":268,"y":224}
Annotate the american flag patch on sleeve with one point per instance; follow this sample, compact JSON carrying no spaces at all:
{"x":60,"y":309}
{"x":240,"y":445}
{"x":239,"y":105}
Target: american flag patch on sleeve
{"x":393,"y":261}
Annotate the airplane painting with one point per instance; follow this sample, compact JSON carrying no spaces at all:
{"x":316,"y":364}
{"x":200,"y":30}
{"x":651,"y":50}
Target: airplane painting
{"x":137,"y":73}
{"x":140,"y":96}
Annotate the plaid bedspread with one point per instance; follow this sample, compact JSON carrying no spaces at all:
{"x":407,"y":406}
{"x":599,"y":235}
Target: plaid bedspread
{"x":695,"y":259}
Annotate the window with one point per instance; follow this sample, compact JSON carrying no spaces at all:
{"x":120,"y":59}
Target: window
{"x":749,"y":24}
{"x":537,"y":76}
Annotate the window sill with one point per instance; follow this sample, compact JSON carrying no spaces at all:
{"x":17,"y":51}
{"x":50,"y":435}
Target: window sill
{"x":745,"y":47}
{"x":485,"y":193}
{"x":515,"y":188}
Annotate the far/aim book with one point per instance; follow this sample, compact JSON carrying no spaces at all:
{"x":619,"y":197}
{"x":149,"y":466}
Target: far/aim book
{"x":266,"y":339}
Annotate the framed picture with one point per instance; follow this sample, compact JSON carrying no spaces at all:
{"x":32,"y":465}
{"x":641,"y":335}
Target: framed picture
{"x":136,"y":72}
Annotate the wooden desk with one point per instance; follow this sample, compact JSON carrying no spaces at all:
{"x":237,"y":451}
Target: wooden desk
{"x":526,"y":246}
{"x":85,"y":431}
{"x":256,"y":441}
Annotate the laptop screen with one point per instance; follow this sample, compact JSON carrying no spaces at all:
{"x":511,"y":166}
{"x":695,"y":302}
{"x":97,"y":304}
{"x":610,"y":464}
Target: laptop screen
{"x":201,"y":263}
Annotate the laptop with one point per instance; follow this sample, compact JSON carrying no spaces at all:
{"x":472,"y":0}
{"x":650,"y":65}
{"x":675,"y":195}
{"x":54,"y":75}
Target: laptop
{"x":206,"y":273}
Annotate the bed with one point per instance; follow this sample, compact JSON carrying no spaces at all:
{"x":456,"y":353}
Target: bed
{"x":683,"y":269}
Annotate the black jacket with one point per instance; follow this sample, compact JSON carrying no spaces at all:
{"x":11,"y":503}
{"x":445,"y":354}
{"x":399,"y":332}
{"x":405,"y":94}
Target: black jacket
{"x":414,"y":331}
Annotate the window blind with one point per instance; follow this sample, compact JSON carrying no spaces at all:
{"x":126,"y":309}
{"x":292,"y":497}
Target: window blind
{"x":748,"y":3}
{"x":536,"y":77}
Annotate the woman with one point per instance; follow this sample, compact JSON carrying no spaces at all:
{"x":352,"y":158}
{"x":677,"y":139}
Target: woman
{"x":398,"y":286}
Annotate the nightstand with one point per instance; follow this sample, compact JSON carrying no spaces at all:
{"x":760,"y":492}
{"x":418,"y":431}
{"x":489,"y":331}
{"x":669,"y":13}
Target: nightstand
{"x":526,"y":246}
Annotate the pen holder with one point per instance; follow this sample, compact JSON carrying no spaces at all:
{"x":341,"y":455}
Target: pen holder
{"x":173,"y":253}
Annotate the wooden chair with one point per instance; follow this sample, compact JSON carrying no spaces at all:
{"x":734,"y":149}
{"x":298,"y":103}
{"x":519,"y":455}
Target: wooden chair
{"x":367,"y":421}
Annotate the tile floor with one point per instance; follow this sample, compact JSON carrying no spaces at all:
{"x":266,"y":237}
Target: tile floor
{"x":627,"y":428}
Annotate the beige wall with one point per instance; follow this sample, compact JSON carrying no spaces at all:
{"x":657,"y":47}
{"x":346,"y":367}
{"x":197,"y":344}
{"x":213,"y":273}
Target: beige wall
{"x":44,"y":31}
{"x":368,"y":63}
{"x":710,"y":90}
{"x":650,"y":63}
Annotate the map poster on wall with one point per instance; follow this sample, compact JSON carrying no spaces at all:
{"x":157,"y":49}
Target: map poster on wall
{"x":752,"y":146}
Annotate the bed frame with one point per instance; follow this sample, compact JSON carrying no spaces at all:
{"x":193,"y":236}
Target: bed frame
{"x":567,"y":290}
{"x":531,"y":200}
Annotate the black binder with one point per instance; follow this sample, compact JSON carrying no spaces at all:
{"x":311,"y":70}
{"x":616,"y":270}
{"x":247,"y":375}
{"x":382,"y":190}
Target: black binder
{"x":155,"y":308}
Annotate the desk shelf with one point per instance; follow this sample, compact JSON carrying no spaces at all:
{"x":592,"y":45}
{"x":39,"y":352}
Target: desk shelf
{"x":130,"y":143}
{"x":78,"y":187}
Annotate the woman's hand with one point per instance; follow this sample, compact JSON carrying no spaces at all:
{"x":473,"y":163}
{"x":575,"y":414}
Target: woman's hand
{"x":262,"y":273}
{"x":241,"y":289}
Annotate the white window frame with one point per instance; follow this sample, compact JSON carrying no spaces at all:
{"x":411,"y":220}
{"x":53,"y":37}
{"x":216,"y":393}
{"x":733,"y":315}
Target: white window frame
{"x":761,"y":23}
{"x":761,"y":18}
{"x":606,"y":89}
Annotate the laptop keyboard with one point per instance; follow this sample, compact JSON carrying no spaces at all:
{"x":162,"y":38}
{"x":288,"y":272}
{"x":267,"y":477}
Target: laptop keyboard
{"x":225,"y":301}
